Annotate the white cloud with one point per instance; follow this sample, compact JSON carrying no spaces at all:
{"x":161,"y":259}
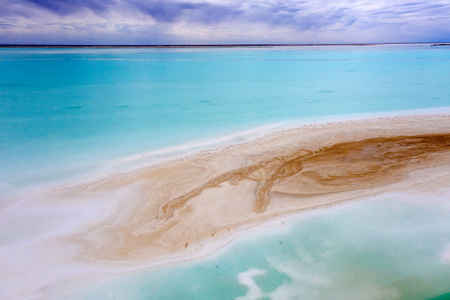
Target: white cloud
{"x":228,"y":21}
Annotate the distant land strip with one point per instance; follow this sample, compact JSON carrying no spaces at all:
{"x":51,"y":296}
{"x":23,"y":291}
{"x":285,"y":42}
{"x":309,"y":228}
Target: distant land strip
{"x":208,"y":45}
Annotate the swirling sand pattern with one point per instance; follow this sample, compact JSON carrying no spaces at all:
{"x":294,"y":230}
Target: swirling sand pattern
{"x":185,"y":202}
{"x":341,"y":167}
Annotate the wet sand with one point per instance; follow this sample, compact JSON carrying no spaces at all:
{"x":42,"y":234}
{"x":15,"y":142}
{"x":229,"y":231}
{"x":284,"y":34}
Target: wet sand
{"x":63,"y":238}
{"x":175,"y":208}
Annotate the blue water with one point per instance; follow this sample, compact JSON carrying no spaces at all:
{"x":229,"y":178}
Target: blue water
{"x":70,"y":111}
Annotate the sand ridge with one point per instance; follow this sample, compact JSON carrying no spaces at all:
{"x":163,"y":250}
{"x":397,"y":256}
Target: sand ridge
{"x":178,"y":205}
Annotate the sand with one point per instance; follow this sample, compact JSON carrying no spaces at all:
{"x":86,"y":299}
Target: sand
{"x":175,"y":208}
{"x":189,"y":207}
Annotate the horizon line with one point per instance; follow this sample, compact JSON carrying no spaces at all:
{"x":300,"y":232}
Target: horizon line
{"x":209,"y":45}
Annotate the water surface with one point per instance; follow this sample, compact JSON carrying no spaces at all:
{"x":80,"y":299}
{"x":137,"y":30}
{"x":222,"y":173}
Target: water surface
{"x":72,"y":111}
{"x":389,"y":247}
{"x":66,"y":114}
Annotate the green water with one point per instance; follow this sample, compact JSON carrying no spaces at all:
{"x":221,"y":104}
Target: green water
{"x":390,"y":247}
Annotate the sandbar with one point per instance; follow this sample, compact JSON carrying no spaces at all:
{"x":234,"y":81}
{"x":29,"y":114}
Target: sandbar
{"x":176,"y":208}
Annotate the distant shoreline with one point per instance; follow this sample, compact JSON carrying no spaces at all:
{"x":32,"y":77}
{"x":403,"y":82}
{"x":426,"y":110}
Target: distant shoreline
{"x":211,"y":45}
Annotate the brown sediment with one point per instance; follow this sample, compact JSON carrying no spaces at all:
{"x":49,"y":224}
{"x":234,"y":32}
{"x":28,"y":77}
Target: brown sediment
{"x":337,"y":168}
{"x":166,"y":210}
{"x":195,"y":199}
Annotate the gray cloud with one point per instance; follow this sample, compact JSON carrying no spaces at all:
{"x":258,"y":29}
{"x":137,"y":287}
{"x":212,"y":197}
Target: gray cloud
{"x":4,"y":24}
{"x":66,"y":7}
{"x":154,"y":20}
{"x":172,"y":11}
{"x":412,"y":10}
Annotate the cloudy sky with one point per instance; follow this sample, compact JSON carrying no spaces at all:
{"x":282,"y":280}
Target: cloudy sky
{"x":223,"y":21}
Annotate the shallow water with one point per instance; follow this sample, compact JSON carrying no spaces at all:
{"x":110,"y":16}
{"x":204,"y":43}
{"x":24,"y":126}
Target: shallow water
{"x":66,"y":112}
{"x":389,"y":247}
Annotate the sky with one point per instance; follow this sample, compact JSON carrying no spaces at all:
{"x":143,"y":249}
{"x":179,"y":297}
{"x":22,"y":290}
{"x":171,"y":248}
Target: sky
{"x":153,"y":22}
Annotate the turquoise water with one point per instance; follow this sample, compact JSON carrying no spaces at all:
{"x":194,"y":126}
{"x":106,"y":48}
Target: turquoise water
{"x":391,"y":247}
{"x":70,"y":111}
